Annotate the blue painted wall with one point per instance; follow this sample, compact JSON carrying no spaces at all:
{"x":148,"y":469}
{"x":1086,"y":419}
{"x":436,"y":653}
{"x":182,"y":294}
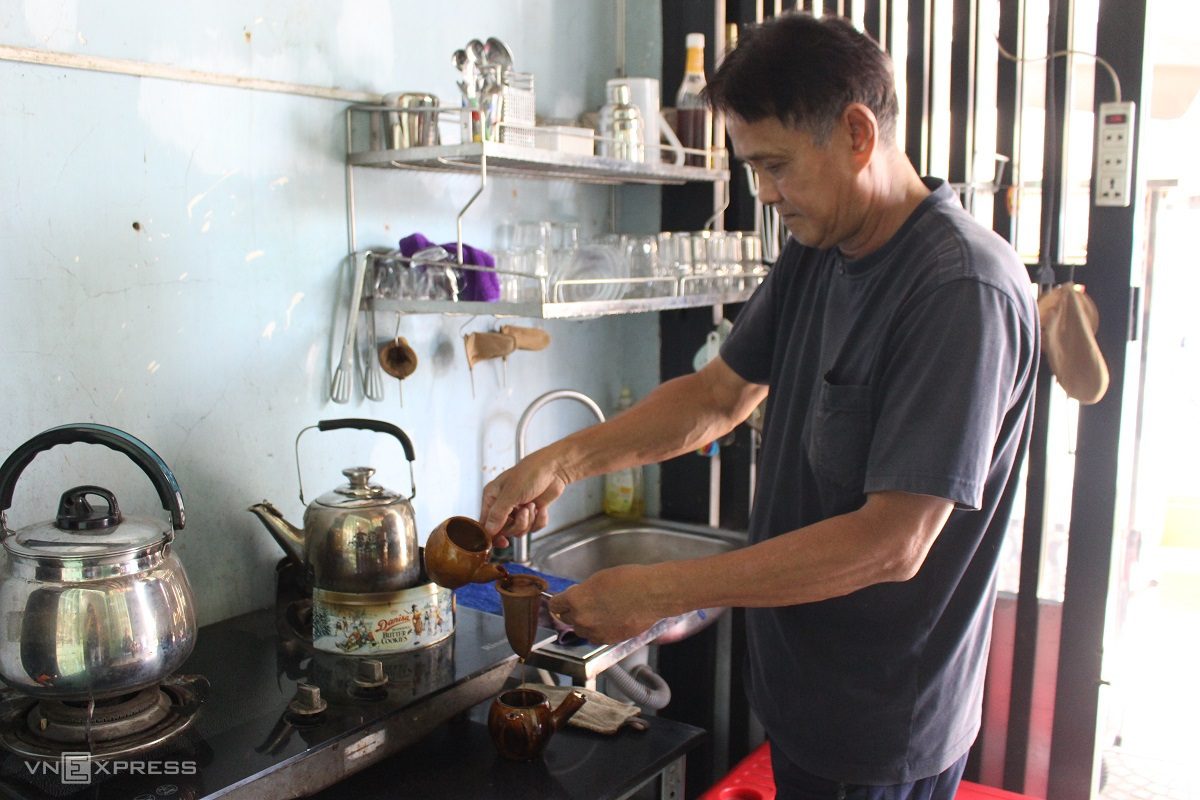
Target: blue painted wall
{"x":173,"y":258}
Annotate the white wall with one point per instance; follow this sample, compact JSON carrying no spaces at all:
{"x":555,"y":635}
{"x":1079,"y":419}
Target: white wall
{"x":172,"y":258}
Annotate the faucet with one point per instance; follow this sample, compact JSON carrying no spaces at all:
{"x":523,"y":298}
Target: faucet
{"x":520,"y":544}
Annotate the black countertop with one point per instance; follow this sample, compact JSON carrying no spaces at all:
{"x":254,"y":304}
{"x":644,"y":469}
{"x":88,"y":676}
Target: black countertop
{"x":458,"y":762}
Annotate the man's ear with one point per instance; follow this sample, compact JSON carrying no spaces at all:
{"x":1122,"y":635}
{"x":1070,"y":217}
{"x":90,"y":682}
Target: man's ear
{"x":863,"y":130}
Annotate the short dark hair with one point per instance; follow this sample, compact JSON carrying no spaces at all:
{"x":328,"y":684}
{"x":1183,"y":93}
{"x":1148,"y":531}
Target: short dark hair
{"x":804,"y":71}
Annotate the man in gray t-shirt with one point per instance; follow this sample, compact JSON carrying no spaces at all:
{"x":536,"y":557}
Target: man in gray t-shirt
{"x":907,"y":370}
{"x":897,"y":340}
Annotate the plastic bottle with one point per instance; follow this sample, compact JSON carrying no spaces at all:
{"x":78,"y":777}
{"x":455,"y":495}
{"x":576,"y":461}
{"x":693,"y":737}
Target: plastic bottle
{"x":693,"y":117}
{"x":624,"y":490}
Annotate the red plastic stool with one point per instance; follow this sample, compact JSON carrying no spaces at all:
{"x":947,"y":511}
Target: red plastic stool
{"x":752,"y":779}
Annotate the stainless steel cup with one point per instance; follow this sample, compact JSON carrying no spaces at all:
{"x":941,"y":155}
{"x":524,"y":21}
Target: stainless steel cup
{"x":413,"y":123}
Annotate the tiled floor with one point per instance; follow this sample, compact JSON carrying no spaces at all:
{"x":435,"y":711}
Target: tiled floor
{"x":1157,"y":756}
{"x":1130,"y":777}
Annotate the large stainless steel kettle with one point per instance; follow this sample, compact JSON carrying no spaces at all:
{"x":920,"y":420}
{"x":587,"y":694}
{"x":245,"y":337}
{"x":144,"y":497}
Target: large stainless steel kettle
{"x":95,"y":603}
{"x":359,"y":538}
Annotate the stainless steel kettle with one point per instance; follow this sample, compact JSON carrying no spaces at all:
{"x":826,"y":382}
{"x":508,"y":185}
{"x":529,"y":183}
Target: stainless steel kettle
{"x":359,"y":538}
{"x":97,"y":603}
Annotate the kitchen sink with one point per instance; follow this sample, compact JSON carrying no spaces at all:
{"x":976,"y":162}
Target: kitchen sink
{"x":578,"y":550}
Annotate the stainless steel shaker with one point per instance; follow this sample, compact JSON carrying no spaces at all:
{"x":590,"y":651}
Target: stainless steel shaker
{"x":622,"y":130}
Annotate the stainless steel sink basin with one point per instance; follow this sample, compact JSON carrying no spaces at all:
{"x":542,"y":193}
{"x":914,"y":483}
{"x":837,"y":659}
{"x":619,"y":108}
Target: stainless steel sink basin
{"x":578,"y":550}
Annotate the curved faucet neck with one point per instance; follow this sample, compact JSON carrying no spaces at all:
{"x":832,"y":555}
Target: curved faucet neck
{"x":549,"y":397}
{"x":520,"y":545}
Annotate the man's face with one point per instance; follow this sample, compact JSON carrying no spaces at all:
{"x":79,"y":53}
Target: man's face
{"x":808,"y":184}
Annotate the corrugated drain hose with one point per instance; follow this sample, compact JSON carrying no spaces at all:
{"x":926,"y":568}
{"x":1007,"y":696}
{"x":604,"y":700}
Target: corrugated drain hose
{"x":642,"y":685}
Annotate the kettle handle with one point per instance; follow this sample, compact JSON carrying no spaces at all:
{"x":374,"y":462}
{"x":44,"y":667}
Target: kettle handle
{"x":90,"y":433}
{"x":370,"y":425}
{"x":375,"y":425}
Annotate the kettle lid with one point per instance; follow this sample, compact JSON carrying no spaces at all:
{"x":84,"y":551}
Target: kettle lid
{"x":82,"y":529}
{"x":359,"y":492}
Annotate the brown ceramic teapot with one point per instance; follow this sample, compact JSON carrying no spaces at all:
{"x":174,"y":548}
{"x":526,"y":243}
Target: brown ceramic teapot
{"x":521,"y":721}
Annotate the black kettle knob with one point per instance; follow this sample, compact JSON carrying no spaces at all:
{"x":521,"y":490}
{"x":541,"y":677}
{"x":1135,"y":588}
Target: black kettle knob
{"x":75,"y":513}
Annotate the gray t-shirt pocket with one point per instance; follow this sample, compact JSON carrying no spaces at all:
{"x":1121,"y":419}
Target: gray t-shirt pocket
{"x":840,"y":439}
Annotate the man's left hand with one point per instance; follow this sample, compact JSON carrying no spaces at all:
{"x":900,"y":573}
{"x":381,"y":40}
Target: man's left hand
{"x":610,"y":606}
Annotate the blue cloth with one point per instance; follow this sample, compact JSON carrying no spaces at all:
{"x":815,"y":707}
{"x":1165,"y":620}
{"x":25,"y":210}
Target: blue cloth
{"x":473,"y":284}
{"x":484,"y":597}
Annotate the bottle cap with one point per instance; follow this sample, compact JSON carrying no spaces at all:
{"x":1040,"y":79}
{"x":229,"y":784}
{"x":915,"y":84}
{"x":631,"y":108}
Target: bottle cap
{"x":694,"y":40}
{"x":619,"y":94}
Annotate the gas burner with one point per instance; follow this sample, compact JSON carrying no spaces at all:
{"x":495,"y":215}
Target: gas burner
{"x":298,"y":617}
{"x":107,"y":728}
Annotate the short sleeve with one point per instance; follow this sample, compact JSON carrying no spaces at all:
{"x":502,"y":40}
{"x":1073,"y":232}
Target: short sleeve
{"x":951,"y":375}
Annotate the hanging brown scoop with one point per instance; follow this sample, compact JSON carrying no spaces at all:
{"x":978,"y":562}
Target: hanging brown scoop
{"x":398,"y":360}
{"x":527,"y":338}
{"x":483,"y":346}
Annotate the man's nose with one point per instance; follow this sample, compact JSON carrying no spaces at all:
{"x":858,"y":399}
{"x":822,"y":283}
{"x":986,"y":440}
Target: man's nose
{"x":768,"y":194}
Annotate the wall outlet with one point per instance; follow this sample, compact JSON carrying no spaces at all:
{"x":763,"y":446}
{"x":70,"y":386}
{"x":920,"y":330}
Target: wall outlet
{"x":1114,"y":154}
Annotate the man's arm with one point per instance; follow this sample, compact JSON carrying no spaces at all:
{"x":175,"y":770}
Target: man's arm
{"x":677,"y":417}
{"x":886,"y":540}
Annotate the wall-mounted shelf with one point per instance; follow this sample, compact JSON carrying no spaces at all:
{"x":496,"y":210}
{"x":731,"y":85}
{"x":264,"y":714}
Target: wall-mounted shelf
{"x":488,"y":158}
{"x":578,"y":310}
{"x":533,"y":162}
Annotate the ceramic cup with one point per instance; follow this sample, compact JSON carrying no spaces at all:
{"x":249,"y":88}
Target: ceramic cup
{"x":521,"y":721}
{"x":458,"y":552}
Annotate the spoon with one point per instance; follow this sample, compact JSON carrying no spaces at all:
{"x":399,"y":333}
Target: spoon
{"x":496,"y":52}
{"x":475,"y":49}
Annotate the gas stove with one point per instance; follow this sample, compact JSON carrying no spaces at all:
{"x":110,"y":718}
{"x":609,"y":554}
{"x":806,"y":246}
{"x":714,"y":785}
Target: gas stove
{"x":109,"y":728}
{"x":255,"y":712}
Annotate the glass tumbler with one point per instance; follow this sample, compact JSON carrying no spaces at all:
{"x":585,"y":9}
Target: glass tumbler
{"x":675,"y":257}
{"x":642,"y":254}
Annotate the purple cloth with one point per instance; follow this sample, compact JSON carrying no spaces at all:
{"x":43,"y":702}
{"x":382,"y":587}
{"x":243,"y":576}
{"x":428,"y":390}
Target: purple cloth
{"x":473,"y":284}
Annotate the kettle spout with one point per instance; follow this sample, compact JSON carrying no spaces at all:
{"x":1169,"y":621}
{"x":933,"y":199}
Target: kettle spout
{"x":290,"y":538}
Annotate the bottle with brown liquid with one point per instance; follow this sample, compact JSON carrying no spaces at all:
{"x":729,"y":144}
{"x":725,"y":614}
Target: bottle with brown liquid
{"x":693,"y":117}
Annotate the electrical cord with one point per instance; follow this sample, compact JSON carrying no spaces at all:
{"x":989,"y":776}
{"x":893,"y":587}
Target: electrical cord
{"x":1112,"y":73}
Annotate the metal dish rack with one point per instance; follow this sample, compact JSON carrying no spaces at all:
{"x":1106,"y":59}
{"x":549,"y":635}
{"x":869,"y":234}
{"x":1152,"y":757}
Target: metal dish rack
{"x":507,"y":158}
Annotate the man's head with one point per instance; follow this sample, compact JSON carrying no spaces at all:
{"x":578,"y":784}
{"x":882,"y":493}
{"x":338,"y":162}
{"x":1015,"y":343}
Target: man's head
{"x":804,"y":71}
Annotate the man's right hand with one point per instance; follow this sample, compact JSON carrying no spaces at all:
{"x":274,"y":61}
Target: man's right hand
{"x":515,"y":502}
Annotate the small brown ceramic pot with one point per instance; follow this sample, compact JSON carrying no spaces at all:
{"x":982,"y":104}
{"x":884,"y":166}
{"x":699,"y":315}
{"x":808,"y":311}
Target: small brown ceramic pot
{"x":521,"y":721}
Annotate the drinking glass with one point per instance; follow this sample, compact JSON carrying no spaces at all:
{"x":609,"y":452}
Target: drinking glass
{"x":675,"y":256}
{"x":642,"y":254}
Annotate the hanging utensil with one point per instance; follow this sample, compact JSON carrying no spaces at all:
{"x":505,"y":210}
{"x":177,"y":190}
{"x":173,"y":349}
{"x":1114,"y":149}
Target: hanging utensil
{"x":527,"y":338}
{"x":372,"y":377}
{"x":484,"y":346}
{"x":398,"y":359}
{"x":343,"y":376}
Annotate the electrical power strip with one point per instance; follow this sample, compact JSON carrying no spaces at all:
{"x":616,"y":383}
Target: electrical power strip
{"x":1114,"y":154}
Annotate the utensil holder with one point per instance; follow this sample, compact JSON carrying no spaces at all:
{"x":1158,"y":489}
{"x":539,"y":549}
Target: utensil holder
{"x":517,"y":114}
